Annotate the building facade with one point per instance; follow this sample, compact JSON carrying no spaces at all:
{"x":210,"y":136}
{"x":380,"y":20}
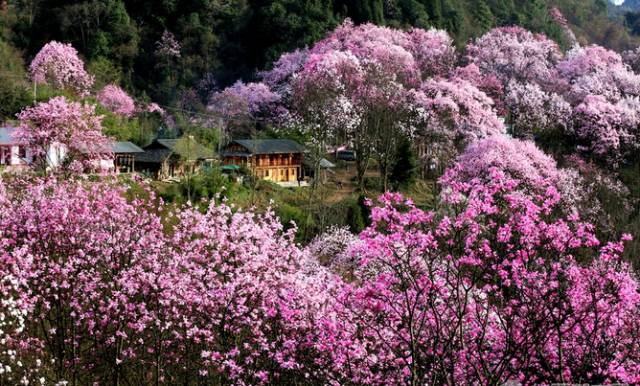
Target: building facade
{"x":277,"y":160}
{"x":173,"y":158}
{"x":14,"y":156}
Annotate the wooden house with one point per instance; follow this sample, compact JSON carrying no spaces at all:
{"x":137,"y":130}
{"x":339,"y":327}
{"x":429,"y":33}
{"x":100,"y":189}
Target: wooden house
{"x":124,"y":156}
{"x":277,"y":160}
{"x":15,"y":156}
{"x":12,"y":155}
{"x":173,"y":158}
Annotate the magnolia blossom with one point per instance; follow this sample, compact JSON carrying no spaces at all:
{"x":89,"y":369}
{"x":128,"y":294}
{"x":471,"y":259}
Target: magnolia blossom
{"x":116,"y":100}
{"x":594,"y":70}
{"x":515,"y":53}
{"x":333,"y":249}
{"x":243,"y":101}
{"x":99,"y":270}
{"x":533,"y":110}
{"x":531,"y":170}
{"x":433,"y":50}
{"x":458,"y":110}
{"x":59,"y":64}
{"x":61,"y":133}
{"x":606,"y":129}
{"x":487,"y":83}
{"x":167,"y":47}
{"x":284,"y":69}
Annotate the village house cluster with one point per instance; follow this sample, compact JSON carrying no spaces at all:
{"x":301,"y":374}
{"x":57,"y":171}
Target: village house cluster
{"x":280,"y":161}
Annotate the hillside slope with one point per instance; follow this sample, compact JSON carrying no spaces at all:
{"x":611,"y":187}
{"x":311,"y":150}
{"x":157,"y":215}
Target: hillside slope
{"x":221,"y":41}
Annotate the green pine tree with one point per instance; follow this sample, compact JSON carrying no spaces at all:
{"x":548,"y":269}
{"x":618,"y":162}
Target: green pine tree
{"x":403,"y":174}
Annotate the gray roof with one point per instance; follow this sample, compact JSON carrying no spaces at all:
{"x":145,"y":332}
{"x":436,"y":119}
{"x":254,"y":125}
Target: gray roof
{"x":125,"y":147}
{"x":6,"y":136}
{"x":270,"y":146}
{"x":153,"y":155}
{"x":200,"y":151}
{"x":324,"y":163}
{"x":115,"y":148}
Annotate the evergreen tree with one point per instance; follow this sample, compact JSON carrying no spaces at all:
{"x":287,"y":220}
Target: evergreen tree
{"x":483,"y":15}
{"x":403,"y":174}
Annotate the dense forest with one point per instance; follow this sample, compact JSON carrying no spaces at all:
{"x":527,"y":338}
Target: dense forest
{"x":220,"y":41}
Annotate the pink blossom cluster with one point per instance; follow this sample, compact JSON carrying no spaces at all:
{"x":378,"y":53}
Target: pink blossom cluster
{"x":487,"y":83}
{"x":594,"y":70}
{"x":496,"y":287}
{"x":59,"y":64}
{"x":490,"y":294}
{"x":515,"y":53}
{"x":362,"y":84}
{"x":283,"y":69}
{"x":458,"y":110}
{"x":168,"y":47}
{"x":244,"y":102}
{"x":116,"y":100}
{"x":606,"y":128}
{"x":63,"y":134}
{"x":532,"y":109}
{"x":111,"y":297}
{"x":587,"y":96}
{"x":334,"y":249}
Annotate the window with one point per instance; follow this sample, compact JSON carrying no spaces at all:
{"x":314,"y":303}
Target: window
{"x":281,"y":172}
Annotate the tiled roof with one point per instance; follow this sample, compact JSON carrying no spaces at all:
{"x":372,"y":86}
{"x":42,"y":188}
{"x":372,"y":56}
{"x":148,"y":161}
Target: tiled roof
{"x":153,"y":155}
{"x":125,"y":147}
{"x":270,"y":146}
{"x":182,"y":147}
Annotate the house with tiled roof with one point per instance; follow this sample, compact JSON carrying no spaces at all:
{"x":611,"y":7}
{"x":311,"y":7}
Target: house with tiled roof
{"x":15,"y":156}
{"x":173,"y":158}
{"x":277,"y":160}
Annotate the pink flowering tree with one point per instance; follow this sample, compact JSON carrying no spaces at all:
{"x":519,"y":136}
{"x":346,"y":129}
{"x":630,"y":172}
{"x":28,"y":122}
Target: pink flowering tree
{"x":78,"y":252}
{"x":487,"y":83}
{"x":608,"y":131}
{"x":168,"y":47}
{"x":533,"y":111}
{"x":63,"y":134}
{"x":225,"y":297}
{"x":116,"y":100}
{"x":360,"y":77}
{"x":58,"y":64}
{"x":243,"y":105}
{"x":515,"y":53}
{"x":280,"y":76}
{"x":495,"y":289}
{"x":448,"y":115}
{"x":594,"y":70}
{"x":433,"y":51}
{"x":322,"y":105}
{"x":249,"y":306}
